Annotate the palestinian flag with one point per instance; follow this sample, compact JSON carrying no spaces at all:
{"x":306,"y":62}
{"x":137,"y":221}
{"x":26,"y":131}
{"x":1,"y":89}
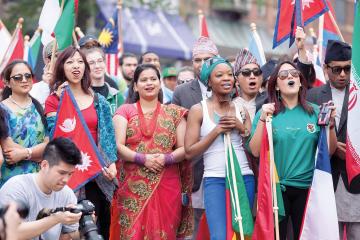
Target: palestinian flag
{"x":65,"y":25}
{"x":238,"y":212}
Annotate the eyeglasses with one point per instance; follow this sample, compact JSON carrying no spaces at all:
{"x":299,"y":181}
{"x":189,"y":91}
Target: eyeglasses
{"x":337,"y":69}
{"x":247,"y":72}
{"x":285,"y":73}
{"x":19,"y":77}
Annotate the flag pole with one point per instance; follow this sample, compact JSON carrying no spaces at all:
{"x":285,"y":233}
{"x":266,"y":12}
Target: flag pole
{"x":320,"y":38}
{"x":75,"y":40}
{"x":200,"y":17}
{"x":26,"y":47}
{"x":120,"y":32}
{"x":258,"y":42}
{"x":52,"y":60}
{"x":236,"y":194}
{"x":273,"y":177}
{"x":336,"y":26}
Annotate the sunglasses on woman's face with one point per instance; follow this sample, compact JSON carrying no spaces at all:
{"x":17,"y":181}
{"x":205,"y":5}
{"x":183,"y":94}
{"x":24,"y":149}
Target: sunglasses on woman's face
{"x":20,"y":77}
{"x":337,"y":69}
{"x":285,"y":73}
{"x":247,"y":72}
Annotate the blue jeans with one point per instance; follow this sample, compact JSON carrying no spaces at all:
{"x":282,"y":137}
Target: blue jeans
{"x":214,"y":199}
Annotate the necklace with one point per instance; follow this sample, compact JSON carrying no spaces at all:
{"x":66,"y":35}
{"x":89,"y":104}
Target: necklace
{"x":18,"y":105}
{"x":148,"y":129}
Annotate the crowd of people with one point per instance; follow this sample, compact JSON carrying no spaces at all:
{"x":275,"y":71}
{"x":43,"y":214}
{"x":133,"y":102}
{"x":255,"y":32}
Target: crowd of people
{"x":161,"y":134}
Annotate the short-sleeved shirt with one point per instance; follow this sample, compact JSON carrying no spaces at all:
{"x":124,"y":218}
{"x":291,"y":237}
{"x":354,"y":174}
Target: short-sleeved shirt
{"x":23,"y":188}
{"x":295,"y":138}
{"x":89,"y":114}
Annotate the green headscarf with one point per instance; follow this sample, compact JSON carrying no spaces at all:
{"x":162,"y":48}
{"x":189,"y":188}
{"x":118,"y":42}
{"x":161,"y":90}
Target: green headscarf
{"x":208,"y":66}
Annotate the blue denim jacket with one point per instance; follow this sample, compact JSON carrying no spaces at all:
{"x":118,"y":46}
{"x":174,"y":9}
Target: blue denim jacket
{"x":106,"y":143}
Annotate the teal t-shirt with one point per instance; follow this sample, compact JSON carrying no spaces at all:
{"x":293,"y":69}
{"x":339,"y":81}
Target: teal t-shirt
{"x":295,"y":138}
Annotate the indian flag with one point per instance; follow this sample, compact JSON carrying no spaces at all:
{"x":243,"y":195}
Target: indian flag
{"x":353,"y":126}
{"x":238,"y":213}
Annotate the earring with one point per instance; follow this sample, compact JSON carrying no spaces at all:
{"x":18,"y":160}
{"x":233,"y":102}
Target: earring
{"x":278,"y":96}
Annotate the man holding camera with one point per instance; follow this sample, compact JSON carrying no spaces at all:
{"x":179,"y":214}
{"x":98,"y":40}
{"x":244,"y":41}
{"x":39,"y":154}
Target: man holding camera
{"x":47,"y":189}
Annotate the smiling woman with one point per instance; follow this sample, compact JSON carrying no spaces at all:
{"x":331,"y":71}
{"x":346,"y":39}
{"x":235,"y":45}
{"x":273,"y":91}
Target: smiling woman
{"x":155,"y":178}
{"x":207,"y":123}
{"x":25,"y":120}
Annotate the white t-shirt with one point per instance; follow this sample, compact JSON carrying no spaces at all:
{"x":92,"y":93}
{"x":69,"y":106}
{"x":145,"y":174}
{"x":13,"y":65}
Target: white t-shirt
{"x":338,"y":98}
{"x":23,"y":188}
{"x":214,"y":156}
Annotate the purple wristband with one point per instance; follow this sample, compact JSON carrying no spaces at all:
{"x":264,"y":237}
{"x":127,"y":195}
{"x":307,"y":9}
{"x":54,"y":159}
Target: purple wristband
{"x":140,"y":159}
{"x":169,"y":159}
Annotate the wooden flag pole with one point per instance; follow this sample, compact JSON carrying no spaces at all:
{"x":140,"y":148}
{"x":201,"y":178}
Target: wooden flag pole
{"x":320,"y":38}
{"x":336,"y":26}
{"x":54,"y":48}
{"x":200,"y":17}
{"x":76,"y":44}
{"x":273,"y":177}
{"x":236,"y":194}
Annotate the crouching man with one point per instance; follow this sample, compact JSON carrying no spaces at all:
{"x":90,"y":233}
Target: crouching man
{"x":47,"y":189}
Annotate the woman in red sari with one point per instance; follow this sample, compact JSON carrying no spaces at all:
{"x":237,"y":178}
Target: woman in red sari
{"x":149,"y":200}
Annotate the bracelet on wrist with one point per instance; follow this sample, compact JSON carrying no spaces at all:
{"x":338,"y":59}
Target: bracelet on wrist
{"x":263,"y":120}
{"x":140,"y":159}
{"x":169,"y":159}
{"x":29,"y":153}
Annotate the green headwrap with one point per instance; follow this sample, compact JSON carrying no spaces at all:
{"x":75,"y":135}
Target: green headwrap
{"x":208,"y":66}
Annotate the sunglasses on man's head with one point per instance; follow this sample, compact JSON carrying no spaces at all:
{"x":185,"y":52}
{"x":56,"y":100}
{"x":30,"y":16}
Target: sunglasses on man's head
{"x":20,"y":77}
{"x":285,"y":73}
{"x":337,"y":69}
{"x":247,"y":72}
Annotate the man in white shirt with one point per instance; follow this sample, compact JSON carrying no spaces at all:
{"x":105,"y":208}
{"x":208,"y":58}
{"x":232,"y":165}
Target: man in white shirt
{"x":47,"y":189}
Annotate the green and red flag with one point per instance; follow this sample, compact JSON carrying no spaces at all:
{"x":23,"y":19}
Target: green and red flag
{"x":353,"y":126}
{"x":65,"y":25}
{"x":238,"y":212}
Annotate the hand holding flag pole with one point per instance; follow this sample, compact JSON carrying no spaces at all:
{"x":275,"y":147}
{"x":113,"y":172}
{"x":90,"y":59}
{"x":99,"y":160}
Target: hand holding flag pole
{"x":272,"y":174}
{"x":79,"y":32}
{"x":235,"y":195}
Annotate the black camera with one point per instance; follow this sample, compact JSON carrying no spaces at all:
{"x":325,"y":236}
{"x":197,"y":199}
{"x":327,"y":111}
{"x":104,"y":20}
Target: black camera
{"x":87,"y":227}
{"x":21,"y":207}
{"x":324,"y":114}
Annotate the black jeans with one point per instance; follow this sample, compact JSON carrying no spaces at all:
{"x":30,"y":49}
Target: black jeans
{"x":102,"y":208}
{"x":294,"y":204}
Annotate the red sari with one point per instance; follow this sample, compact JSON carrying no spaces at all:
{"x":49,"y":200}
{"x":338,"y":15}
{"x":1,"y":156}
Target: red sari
{"x":148,"y":205}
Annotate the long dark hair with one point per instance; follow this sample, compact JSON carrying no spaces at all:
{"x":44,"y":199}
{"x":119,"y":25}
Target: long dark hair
{"x":7,"y":91}
{"x":3,"y":125}
{"x":133,"y":96}
{"x":59,"y":72}
{"x":273,"y":96}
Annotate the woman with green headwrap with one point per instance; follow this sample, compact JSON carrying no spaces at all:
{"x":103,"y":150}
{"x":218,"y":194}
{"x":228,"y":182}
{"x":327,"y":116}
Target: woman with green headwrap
{"x":207,"y":122}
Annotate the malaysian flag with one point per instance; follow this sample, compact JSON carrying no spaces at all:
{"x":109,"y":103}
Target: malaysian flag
{"x":109,"y":39}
